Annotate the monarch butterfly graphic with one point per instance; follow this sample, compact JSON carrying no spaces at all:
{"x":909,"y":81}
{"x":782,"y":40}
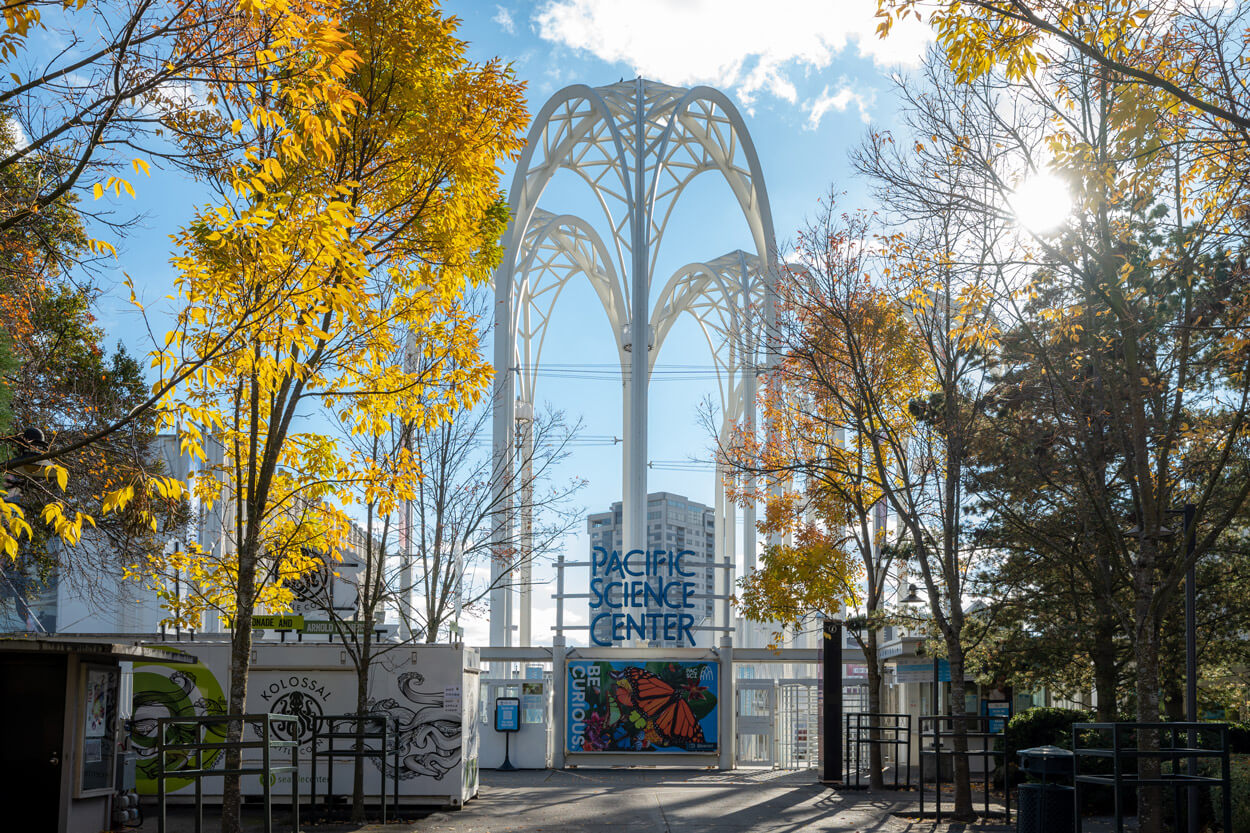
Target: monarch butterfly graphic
{"x":667,"y":711}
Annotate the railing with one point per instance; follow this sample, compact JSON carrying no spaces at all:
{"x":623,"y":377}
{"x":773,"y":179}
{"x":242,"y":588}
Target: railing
{"x":890,"y":730}
{"x":371,"y":728}
{"x":1118,"y":743}
{"x":931,"y":744}
{"x":198,"y":746}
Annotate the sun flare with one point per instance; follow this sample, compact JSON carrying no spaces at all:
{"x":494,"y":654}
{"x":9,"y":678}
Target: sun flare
{"x":1042,"y":202}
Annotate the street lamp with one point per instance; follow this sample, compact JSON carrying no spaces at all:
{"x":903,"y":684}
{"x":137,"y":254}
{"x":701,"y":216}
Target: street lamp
{"x":31,"y":445}
{"x":1190,"y":512}
{"x":911,"y":599}
{"x":29,"y":462}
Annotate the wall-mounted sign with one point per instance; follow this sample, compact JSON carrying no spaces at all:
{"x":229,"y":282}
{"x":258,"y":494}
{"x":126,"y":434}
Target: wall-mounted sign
{"x":1000,"y":710}
{"x":645,"y":593}
{"x":636,"y":706}
{"x":922,"y":672}
{"x":279,"y":622}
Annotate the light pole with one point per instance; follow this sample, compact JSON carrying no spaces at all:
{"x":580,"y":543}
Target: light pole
{"x":831,"y":713}
{"x":1189,"y":513}
{"x":912,"y":599}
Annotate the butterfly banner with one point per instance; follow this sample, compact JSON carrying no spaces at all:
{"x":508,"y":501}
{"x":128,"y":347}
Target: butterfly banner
{"x":636,"y":706}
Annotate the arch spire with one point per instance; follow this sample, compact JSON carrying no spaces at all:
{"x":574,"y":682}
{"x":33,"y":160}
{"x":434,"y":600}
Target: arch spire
{"x":636,"y":145}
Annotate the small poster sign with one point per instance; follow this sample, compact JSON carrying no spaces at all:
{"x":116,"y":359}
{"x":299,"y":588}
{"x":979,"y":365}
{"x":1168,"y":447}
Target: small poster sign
{"x":1000,"y":710}
{"x":508,"y":714}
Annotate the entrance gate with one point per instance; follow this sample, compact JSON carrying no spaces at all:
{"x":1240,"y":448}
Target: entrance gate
{"x":756,"y":709}
{"x":767,"y":722}
{"x":798,"y":729}
{"x":777,"y":723}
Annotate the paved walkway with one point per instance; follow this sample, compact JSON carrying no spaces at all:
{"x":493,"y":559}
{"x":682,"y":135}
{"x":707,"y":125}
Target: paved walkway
{"x":632,"y":801}
{"x":646,"y":800}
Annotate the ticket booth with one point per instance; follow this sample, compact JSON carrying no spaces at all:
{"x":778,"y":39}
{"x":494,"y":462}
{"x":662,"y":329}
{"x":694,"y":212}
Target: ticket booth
{"x":65,"y":706}
{"x":531,"y":746}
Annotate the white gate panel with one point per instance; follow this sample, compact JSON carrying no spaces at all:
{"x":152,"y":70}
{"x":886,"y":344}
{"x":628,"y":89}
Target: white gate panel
{"x":756,"y":710}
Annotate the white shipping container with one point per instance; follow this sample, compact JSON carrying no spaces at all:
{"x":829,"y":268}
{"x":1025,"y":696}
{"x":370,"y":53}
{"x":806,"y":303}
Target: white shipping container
{"x":430,"y":691}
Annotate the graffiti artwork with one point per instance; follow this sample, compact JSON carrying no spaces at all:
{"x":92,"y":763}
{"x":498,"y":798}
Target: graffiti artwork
{"x":642,"y":707}
{"x":174,"y":690}
{"x":429,"y":734}
{"x":438,"y":752}
{"x":329,"y":587}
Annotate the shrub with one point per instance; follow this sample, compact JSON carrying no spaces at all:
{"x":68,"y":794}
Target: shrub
{"x":1043,"y":727}
{"x":1239,"y":739}
{"x":1240,"y":791}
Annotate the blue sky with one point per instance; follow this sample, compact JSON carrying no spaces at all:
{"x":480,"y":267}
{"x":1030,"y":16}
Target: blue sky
{"x":809,"y":77}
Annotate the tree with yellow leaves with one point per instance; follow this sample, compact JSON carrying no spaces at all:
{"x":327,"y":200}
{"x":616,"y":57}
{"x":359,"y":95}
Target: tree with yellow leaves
{"x":362,"y":201}
{"x":125,"y":79}
{"x":1187,"y":50}
{"x":848,"y":357}
{"x":1125,"y":387}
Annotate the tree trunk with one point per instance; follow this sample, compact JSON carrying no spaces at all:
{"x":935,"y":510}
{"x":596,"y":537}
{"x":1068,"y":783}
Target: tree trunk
{"x":875,"y":779}
{"x":1106,"y":674}
{"x":362,"y":701}
{"x":959,"y":739}
{"x":236,"y":702}
{"x":1174,"y":698}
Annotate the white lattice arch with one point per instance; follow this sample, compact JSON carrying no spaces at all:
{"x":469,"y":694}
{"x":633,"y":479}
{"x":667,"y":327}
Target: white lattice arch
{"x":637,"y":145}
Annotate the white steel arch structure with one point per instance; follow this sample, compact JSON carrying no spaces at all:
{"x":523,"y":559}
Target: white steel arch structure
{"x":637,"y":145}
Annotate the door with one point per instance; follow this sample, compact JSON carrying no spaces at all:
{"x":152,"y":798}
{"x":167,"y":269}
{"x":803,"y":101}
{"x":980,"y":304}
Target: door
{"x":756,"y":704}
{"x":32,"y":694}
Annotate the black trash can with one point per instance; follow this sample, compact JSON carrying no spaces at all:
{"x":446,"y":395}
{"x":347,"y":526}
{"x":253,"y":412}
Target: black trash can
{"x":1043,"y":807}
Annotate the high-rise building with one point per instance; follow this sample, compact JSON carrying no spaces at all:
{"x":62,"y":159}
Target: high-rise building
{"x":674,"y":524}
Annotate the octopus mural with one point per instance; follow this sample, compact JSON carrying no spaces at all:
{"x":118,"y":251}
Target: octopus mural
{"x":173,"y":691}
{"x":429,"y":735}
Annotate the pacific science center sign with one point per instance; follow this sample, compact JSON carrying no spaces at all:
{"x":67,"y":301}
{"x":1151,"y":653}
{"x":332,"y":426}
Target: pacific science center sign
{"x":642,"y":594}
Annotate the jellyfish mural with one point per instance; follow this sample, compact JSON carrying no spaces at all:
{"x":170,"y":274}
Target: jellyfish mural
{"x":429,"y":736}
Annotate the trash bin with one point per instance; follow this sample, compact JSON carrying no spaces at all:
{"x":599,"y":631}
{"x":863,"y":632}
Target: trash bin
{"x":1045,"y":807}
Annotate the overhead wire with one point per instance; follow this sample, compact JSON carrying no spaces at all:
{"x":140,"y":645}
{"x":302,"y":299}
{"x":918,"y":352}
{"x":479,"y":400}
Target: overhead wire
{"x":682,"y":465}
{"x":605,"y":372}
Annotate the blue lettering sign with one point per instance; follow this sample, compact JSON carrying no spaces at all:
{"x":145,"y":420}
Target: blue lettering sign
{"x":646,"y":580}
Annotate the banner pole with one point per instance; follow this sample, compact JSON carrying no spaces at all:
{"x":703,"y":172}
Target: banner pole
{"x":831,"y":707}
{"x":728,"y":740}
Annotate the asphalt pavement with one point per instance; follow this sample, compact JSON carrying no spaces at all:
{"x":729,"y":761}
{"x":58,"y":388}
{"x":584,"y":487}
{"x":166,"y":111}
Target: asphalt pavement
{"x":641,"y":801}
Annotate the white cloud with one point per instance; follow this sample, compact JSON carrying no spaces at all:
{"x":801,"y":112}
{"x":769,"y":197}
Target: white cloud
{"x":14,"y":131}
{"x":839,"y":100}
{"x":740,"y":44}
{"x":504,"y":18}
